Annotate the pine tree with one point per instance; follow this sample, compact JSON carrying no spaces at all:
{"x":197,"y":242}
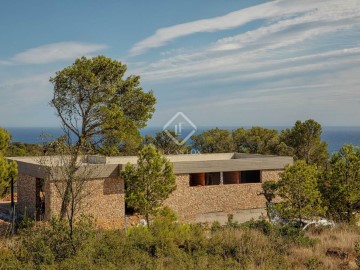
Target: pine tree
{"x":8,"y":170}
{"x":150,"y":182}
{"x":298,"y":188}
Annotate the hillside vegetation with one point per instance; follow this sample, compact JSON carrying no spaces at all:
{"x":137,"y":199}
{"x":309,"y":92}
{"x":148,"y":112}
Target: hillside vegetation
{"x":169,"y":245}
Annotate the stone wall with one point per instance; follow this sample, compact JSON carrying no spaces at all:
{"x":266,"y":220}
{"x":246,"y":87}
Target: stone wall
{"x":190,"y":202}
{"x":26,"y":194}
{"x":104,"y":199}
{"x":270,"y":175}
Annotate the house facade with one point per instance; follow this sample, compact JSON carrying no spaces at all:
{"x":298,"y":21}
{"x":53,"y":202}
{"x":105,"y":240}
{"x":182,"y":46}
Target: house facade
{"x":209,"y":186}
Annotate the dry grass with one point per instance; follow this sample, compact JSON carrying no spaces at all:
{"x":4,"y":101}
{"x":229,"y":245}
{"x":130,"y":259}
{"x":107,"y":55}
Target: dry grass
{"x":4,"y":227}
{"x":342,"y":238}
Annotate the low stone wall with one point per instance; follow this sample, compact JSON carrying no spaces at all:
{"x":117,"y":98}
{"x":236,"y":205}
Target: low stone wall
{"x":239,"y":216}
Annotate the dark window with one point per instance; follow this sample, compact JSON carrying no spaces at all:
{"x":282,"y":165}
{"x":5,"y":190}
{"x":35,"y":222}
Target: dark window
{"x":231,"y":177}
{"x":204,"y":179}
{"x":40,"y":199}
{"x":129,"y":210}
{"x":197,"y":179}
{"x":250,"y":177}
{"x":212,"y":179}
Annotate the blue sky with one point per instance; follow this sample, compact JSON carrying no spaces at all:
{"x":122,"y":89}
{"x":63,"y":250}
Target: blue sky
{"x":222,"y":63}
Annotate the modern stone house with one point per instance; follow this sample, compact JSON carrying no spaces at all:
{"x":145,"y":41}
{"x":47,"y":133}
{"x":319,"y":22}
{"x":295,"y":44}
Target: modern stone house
{"x":209,"y":186}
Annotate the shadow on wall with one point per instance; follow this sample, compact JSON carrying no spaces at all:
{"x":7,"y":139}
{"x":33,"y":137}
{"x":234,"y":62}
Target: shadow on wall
{"x":113,"y":186}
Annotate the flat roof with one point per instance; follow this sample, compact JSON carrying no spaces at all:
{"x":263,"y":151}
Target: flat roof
{"x":123,"y":160}
{"x":184,"y":163}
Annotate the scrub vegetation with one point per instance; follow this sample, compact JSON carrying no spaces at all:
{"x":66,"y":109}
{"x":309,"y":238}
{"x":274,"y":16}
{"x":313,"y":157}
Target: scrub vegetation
{"x":168,"y":244}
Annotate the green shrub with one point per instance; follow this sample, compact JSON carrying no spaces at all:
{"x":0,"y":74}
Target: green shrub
{"x":45,"y":244}
{"x":25,"y":222}
{"x":215,"y":226}
{"x":231,"y":223}
{"x":357,"y":254}
{"x":246,"y":247}
{"x":260,"y":225}
{"x":293,"y":235}
{"x":313,"y":263}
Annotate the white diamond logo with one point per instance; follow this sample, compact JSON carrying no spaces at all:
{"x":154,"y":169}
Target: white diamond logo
{"x":181,"y":126}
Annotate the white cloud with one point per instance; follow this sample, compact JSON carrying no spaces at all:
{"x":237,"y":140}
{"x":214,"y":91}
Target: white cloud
{"x":274,"y":10}
{"x":24,"y":100}
{"x":55,"y":52}
{"x":330,"y":98}
{"x":164,"y":35}
{"x":329,"y":29}
{"x":298,"y":65}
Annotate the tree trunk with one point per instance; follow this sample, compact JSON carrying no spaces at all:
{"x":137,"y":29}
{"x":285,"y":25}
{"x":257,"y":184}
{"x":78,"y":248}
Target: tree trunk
{"x":147,"y":220}
{"x":67,"y":193}
{"x":268,"y":211}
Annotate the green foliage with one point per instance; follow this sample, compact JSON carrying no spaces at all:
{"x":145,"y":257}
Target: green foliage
{"x":111,"y":109}
{"x":357,"y":254}
{"x":281,"y":235}
{"x":99,"y":111}
{"x":49,"y":244}
{"x":231,"y":223}
{"x":165,"y":143}
{"x":25,"y":222}
{"x":8,"y":170}
{"x":305,"y":140}
{"x":215,"y":226}
{"x":19,"y":149}
{"x":313,"y":263}
{"x":244,"y":249}
{"x":165,"y":214}
{"x":341,"y":184}
{"x":150,"y":182}
{"x":5,"y":138}
{"x":292,"y":234}
{"x":167,"y":244}
{"x":298,"y":187}
{"x":256,"y":140}
{"x":269,"y":189}
{"x":260,"y":225}
{"x":213,"y":141}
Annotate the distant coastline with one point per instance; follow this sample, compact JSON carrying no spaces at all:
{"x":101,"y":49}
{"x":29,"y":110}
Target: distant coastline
{"x":334,"y":136}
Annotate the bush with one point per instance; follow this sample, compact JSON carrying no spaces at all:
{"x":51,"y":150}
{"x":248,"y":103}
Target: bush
{"x":231,"y":223}
{"x":246,"y":247}
{"x":294,"y":235}
{"x":313,"y":263}
{"x":167,"y":244}
{"x":260,"y":225}
{"x":215,"y":226}
{"x":357,"y":254}
{"x":45,"y":244}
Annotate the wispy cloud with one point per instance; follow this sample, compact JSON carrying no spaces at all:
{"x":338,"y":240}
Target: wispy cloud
{"x":234,"y":19}
{"x":54,"y":52}
{"x":24,"y":100}
{"x":330,"y":99}
{"x":298,"y":61}
{"x":274,"y":10}
{"x":287,"y":41}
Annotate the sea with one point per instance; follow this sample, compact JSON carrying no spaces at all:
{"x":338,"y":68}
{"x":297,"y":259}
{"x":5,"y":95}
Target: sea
{"x":335,"y":137}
